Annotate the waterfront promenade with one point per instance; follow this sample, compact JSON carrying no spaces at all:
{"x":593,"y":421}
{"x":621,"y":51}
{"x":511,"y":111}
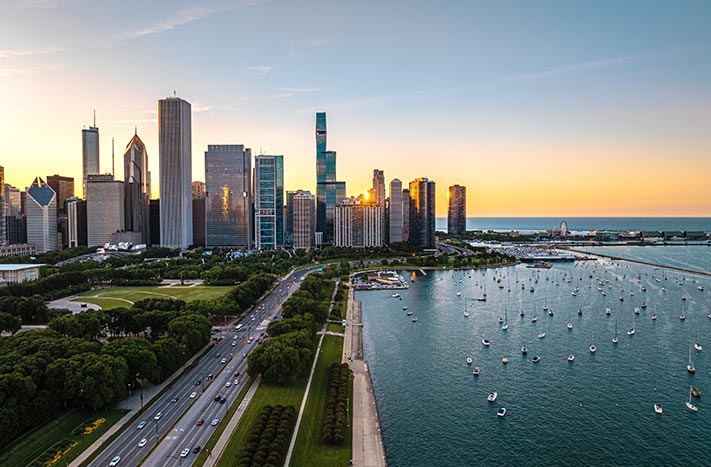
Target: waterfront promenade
{"x":368,"y":450}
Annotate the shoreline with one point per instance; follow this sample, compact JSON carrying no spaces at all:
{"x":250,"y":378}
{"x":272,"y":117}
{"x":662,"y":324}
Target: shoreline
{"x":646,"y":263}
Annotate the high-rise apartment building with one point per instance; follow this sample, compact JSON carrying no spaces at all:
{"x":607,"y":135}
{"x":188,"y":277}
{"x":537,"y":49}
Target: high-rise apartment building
{"x":228,"y":205}
{"x":358,"y":225}
{"x":422,"y":213}
{"x":175,"y":167}
{"x":303,"y":208}
{"x":199,"y":213}
{"x":395,"y":211}
{"x":3,"y":222}
{"x":64,"y":188}
{"x":269,"y":202}
{"x":89,"y":153}
{"x":329,"y":191}
{"x":41,"y":212}
{"x":137,"y":185}
{"x":457,"y":211}
{"x":104,"y":208}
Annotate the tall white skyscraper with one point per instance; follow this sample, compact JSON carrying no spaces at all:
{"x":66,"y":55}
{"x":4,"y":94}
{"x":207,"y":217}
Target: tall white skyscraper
{"x":104,"y":208}
{"x":89,"y":153}
{"x":41,"y":210}
{"x":395,"y":212}
{"x":175,"y":166}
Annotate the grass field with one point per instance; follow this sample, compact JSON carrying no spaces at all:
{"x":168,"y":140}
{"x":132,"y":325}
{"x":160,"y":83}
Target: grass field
{"x":38,"y":441}
{"x":309,"y":450}
{"x":125,"y":296}
{"x":267,"y":394}
{"x":334,"y":327}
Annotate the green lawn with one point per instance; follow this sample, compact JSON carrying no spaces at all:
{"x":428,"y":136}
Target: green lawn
{"x":35,"y":443}
{"x":309,"y":450}
{"x":117,"y":297}
{"x":267,"y":394}
{"x":334,"y":327}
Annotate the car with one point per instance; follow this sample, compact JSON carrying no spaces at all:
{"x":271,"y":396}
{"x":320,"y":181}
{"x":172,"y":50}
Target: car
{"x":197,"y":383}
{"x":236,"y":382}
{"x":217,"y":356}
{"x":196,"y":449}
{"x":228,"y":384}
{"x":158,"y":416}
{"x":223,"y":399}
{"x":115,"y":461}
{"x":234,"y":338}
{"x":244,"y":355}
{"x":234,"y":343}
{"x":142,"y":424}
{"x":174,"y":400}
{"x":142,"y":442}
{"x":185,"y":452}
{"x":215,"y":421}
{"x":237,"y":374}
{"x":209,"y":377}
{"x":200,"y":422}
{"x":217,"y":398}
{"x":193,"y":395}
{"x":223,"y":361}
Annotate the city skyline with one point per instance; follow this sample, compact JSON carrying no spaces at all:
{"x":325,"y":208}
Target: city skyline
{"x":605,"y":113}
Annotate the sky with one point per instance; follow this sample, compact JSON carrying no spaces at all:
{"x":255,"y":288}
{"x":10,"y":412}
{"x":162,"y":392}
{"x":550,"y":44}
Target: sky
{"x":540,"y":108}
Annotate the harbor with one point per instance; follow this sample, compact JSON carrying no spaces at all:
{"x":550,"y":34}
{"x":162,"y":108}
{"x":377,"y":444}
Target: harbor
{"x":379,"y":280}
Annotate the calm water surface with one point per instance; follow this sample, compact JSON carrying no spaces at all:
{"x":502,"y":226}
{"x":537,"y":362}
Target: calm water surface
{"x":596,"y":411}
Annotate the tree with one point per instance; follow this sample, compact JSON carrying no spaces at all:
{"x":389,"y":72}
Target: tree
{"x":9,"y":323}
{"x":138,"y":355}
{"x":190,"y":331}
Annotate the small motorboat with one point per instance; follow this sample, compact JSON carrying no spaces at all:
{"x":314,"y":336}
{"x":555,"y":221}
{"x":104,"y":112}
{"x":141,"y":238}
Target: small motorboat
{"x":550,"y":312}
{"x":459,"y":294}
{"x":505,"y":360}
{"x":542,"y":335}
{"x":593,"y":349}
{"x":657,"y":408}
{"x":695,"y":392}
{"x":644,"y":289}
{"x":536,"y":319}
{"x":654,"y":316}
{"x":396,"y":295}
{"x":536,"y":359}
{"x":580,"y":312}
{"x":571,"y":357}
{"x":409,"y":313}
{"x":522,"y":313}
{"x":608,"y":311}
{"x":469,"y":361}
{"x":486,"y":342}
{"x":524,"y":350}
{"x":637,"y":311}
{"x":501,"y":320}
{"x":492,"y":396}
{"x":643,"y":305}
{"x":476,"y":371}
{"x":404,"y":308}
{"x":414,"y":320}
{"x":682,"y":317}
{"x":570,"y":326}
{"x":501,"y":412}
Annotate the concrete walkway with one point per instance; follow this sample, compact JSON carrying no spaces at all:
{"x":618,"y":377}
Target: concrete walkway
{"x":368,"y":450}
{"x":225,"y":436}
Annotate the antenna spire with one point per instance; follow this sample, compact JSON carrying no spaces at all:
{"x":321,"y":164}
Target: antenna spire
{"x":94,"y":118}
{"x":112,"y":157}
{"x":135,"y":130}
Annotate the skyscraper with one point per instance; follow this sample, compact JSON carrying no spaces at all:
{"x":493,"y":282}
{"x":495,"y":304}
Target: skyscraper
{"x":154,"y":221}
{"x":395,"y":211}
{"x":457,"y":211}
{"x":422,"y":213}
{"x":63,"y":187}
{"x":175,"y":166}
{"x":358,"y":225}
{"x":228,"y":206}
{"x":269,"y":202}
{"x":329,"y":191}
{"x":90,"y":153}
{"x":378,"y":187}
{"x":303,"y":218}
{"x":136,"y":180}
{"x":199,"y":213}
{"x":76,"y":222}
{"x":3,"y":227}
{"x":104,"y":208}
{"x":41,"y":211}
{"x":405,"y":214}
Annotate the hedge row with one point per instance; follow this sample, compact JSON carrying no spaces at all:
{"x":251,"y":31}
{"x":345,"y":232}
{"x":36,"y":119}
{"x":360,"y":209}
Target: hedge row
{"x":333,"y":430}
{"x":269,"y":438}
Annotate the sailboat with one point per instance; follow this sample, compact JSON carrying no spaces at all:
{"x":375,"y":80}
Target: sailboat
{"x":697,"y":346}
{"x":682,"y":316}
{"x":592,"y":347}
{"x":689,"y":405}
{"x":466,"y":313}
{"x":506,"y":320}
{"x":615,"y":340}
{"x":690,"y":366}
{"x":631,"y":331}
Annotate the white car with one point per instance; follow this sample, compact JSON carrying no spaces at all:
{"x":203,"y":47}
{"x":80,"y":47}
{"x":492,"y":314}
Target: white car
{"x":228,"y":384}
{"x":115,"y":461}
{"x":158,"y":416}
{"x":215,"y":421}
{"x":142,"y":424}
{"x":223,"y":361}
{"x":185,"y":452}
{"x":234,"y":343}
{"x":236,"y":382}
{"x":142,"y":442}
{"x":193,"y":395}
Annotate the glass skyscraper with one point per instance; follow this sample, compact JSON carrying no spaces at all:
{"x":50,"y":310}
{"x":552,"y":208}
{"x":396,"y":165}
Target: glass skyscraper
{"x":89,"y":153}
{"x":457,"y":211}
{"x":422,"y":213}
{"x":329,"y":191}
{"x":137,"y":184}
{"x":269,"y":201}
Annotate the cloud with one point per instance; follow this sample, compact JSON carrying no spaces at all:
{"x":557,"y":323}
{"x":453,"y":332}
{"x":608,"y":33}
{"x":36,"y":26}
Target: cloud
{"x":37,"y":4}
{"x":5,"y":72}
{"x":298,"y":46}
{"x":197,"y":107}
{"x":283,"y":93}
{"x":260,"y":70}
{"x":27,"y":52}
{"x":593,"y":65}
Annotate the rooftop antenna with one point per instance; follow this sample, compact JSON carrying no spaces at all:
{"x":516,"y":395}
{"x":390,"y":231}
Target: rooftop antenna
{"x":135,"y":130}
{"x":94,"y":118}
{"x":112,"y":157}
{"x":174,"y":93}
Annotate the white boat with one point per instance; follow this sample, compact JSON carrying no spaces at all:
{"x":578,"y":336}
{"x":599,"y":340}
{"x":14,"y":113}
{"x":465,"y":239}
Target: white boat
{"x":689,"y":405}
{"x":542,"y":335}
{"x":697,"y":346}
{"x":592,"y":347}
{"x":637,"y":311}
{"x":485,"y":342}
{"x":505,"y":360}
{"x":459,"y":294}
{"x":608,"y":311}
{"x":505,"y":326}
{"x":476,"y":371}
{"x":492,"y":396}
{"x":570,"y":326}
{"x":631,"y":330}
{"x":550,"y":312}
{"x":682,"y":316}
{"x":690,"y":366}
{"x":524,"y":350}
{"x":657,"y":408}
{"x":404,"y":308}
{"x":469,"y":361}
{"x":506,"y":320}
{"x":409,"y":313}
{"x":654,"y":316}
{"x":536,"y":359}
{"x":396,"y":295}
{"x":466,"y":314}
{"x":414,"y":320}
{"x":701,"y":288}
{"x":615,"y":340}
{"x":571,"y":357}
{"x":501,"y":412}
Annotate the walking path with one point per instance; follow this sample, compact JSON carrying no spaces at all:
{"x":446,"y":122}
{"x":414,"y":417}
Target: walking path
{"x":323,"y":333}
{"x":134,"y":404}
{"x":368,"y":450}
{"x":225,"y":436}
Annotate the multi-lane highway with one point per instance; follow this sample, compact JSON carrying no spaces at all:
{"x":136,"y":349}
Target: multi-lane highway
{"x":176,"y":429}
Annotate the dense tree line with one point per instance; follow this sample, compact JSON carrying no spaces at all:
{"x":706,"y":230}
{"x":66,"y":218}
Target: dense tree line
{"x":47,"y":286}
{"x":269,"y":437}
{"x":333,"y":428}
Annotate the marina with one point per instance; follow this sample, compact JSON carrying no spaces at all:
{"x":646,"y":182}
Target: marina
{"x":427,"y":394}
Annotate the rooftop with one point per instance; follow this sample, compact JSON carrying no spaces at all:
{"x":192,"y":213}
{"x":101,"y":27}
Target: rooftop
{"x":18,"y":267}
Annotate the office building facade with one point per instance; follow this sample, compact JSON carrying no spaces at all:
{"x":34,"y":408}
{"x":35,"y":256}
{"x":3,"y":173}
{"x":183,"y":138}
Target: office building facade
{"x":175,"y":164}
{"x":457,"y":211}
{"x":422,"y":213}
{"x":89,"y":153}
{"x":41,"y":216}
{"x":378,"y":191}
{"x":269,"y":202}
{"x":395,"y":212}
{"x":358,"y":225}
{"x":199,"y":213}
{"x":104,"y":208}
{"x":303,"y":208}
{"x":228,"y":203}
{"x":137,"y":186}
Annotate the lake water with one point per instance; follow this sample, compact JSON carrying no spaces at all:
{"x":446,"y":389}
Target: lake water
{"x":584,"y":223}
{"x":596,"y":411}
{"x":695,"y":257}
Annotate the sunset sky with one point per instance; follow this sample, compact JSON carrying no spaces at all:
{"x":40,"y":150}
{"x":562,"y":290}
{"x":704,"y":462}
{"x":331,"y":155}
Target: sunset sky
{"x":540,"y":108}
